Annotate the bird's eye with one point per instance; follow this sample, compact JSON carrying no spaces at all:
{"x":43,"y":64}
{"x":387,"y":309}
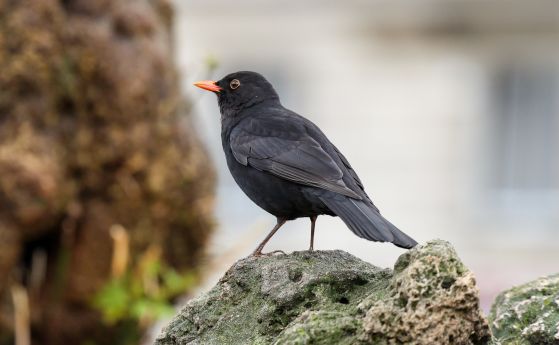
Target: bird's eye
{"x":235,"y":83}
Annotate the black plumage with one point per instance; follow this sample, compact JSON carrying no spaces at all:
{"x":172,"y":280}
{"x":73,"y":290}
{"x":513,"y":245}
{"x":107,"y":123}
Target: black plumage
{"x":287,"y":166}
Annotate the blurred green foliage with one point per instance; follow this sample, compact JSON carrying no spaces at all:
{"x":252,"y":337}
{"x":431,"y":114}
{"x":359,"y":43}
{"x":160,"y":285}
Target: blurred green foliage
{"x":140,"y":296}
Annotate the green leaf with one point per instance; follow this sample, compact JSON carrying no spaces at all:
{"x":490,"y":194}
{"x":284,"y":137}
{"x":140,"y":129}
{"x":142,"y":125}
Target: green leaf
{"x":113,"y":300}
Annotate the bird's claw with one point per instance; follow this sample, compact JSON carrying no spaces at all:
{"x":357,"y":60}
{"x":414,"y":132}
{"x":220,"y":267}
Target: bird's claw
{"x":258,"y":254}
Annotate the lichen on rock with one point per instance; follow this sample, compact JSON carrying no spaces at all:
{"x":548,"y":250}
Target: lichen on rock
{"x":433,"y":299}
{"x":260,"y":297}
{"x":331,"y":297}
{"x":527,"y":314}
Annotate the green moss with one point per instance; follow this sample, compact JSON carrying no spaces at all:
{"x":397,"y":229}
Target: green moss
{"x":331,"y":298}
{"x":432,"y":300}
{"x":322,"y":328}
{"x":528,"y":314}
{"x":258,"y":299}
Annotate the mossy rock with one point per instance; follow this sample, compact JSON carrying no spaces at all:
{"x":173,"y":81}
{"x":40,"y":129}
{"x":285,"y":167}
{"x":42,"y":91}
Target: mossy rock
{"x":332,"y":297}
{"x":527,"y":314}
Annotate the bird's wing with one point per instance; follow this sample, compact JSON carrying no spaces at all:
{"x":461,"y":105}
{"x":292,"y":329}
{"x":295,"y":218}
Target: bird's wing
{"x":350,"y":169}
{"x":286,"y":151}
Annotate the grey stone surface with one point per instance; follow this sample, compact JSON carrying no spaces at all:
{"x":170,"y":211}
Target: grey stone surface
{"x":527,"y":314}
{"x":332,"y":297}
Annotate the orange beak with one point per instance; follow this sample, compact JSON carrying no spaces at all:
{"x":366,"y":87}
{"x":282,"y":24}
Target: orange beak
{"x":208,"y":85}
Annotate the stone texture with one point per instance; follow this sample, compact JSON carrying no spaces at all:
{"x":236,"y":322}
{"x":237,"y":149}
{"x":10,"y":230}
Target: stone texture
{"x":433,"y":299}
{"x":527,"y":314}
{"x":331,"y":297}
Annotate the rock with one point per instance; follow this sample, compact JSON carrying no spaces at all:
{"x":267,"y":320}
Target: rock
{"x":433,"y":299}
{"x":332,"y":297}
{"x":527,"y":314}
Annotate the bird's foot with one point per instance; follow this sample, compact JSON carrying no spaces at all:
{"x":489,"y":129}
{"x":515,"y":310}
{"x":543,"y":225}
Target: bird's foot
{"x":259,"y":253}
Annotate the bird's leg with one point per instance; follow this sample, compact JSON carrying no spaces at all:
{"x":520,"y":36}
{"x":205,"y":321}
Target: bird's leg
{"x":258,"y":250}
{"x":313,"y":221}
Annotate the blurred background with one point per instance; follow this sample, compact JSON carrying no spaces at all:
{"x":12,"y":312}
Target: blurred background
{"x":448,"y":111}
{"x":115,"y":200}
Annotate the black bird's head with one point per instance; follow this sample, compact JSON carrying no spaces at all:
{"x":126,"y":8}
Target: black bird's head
{"x":239,"y":90}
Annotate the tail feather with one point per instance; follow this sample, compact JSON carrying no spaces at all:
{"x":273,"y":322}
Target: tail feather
{"x":366,"y":222}
{"x":358,"y":222}
{"x":400,"y":238}
{"x":374,"y":217}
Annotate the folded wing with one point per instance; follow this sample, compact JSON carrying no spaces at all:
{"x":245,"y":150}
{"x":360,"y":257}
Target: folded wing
{"x":294,"y":156}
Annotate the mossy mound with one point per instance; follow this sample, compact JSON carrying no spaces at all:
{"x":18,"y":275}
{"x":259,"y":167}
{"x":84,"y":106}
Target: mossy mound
{"x":527,"y":314}
{"x":331,"y":297}
{"x":94,"y":135}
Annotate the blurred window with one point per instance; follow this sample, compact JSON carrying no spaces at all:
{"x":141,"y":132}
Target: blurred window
{"x":526,"y":128}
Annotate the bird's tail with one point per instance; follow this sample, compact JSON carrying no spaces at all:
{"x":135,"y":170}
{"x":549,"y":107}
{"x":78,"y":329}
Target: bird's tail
{"x":366,"y":222}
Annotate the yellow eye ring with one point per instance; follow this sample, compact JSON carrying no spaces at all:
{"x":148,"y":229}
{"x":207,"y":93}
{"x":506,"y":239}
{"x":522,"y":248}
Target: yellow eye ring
{"x":235,"y":83}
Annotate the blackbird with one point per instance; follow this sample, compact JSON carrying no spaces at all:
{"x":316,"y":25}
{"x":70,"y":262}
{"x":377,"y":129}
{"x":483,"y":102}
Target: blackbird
{"x":287,"y":166}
